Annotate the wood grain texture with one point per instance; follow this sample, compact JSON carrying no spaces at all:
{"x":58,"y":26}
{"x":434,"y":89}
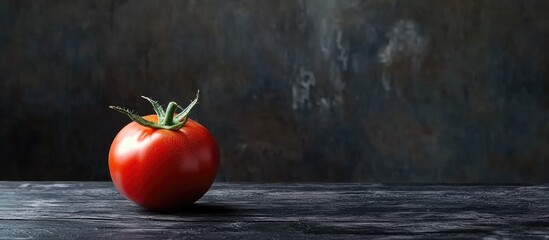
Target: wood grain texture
{"x":92,"y":210}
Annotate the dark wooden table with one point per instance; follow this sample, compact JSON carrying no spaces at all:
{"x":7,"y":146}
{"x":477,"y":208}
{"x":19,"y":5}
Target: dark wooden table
{"x":92,"y":210}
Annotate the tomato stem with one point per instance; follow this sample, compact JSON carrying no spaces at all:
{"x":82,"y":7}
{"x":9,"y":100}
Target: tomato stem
{"x":166,"y":119}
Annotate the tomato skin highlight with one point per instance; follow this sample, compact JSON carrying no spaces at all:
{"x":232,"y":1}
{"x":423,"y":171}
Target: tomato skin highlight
{"x":161,"y":169}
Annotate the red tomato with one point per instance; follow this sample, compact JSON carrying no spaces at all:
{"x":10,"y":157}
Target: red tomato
{"x":162,"y":169}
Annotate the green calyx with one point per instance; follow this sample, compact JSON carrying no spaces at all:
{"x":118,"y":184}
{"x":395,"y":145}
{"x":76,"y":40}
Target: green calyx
{"x":167,"y":119}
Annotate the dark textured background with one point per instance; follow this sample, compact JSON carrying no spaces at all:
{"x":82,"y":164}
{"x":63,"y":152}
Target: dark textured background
{"x":391,"y":91}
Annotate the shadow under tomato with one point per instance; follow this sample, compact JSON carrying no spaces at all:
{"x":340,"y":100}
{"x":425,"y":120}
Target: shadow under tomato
{"x":198,"y":209}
